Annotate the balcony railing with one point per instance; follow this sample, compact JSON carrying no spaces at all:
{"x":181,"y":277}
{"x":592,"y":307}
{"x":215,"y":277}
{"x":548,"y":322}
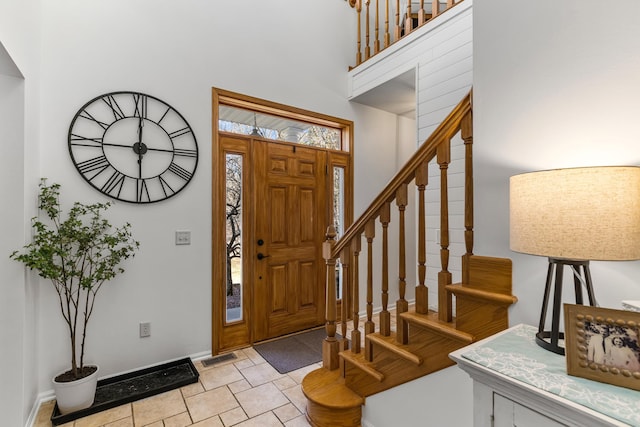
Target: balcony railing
{"x":383,"y":22}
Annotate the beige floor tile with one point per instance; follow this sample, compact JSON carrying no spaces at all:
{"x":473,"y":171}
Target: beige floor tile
{"x":285,"y":382}
{"x":233,"y":416}
{"x":239,"y":386}
{"x":253,"y":355}
{"x":300,"y":421}
{"x":180,"y":420}
{"x":286,"y":412}
{"x":105,"y":417}
{"x":265,"y":420}
{"x":191,"y":389}
{"x":299,"y":374}
{"x":261,"y":399}
{"x":244,"y":363}
{"x":209,"y":422}
{"x":125,"y":422}
{"x":295,"y":395}
{"x":260,"y":374}
{"x":210,"y":403}
{"x":156,"y":424}
{"x":219,"y":376}
{"x":159,"y":407}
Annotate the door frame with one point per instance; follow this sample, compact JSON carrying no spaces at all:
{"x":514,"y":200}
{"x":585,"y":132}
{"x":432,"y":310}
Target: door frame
{"x":230,"y":336}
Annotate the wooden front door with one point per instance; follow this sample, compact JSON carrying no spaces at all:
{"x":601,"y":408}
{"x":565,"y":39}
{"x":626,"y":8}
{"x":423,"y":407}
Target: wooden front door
{"x":272,"y":202}
{"x":290,"y":217}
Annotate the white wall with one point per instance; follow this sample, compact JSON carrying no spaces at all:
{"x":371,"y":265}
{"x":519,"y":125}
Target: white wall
{"x":19,"y":50}
{"x":444,"y":398}
{"x":177,"y":52}
{"x":12,"y":287}
{"x":554,"y":86}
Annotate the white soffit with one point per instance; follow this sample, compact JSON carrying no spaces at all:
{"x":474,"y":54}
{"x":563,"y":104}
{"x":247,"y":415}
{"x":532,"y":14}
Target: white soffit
{"x":397,"y":96}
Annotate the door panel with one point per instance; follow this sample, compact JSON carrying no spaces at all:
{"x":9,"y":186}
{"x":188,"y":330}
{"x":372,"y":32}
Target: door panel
{"x":290,"y":183}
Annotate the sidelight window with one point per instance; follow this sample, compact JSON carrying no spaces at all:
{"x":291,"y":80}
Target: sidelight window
{"x":234,"y":286}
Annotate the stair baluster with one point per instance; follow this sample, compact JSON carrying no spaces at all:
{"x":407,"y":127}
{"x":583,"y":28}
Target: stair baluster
{"x":422,"y":292}
{"x":402,"y":331}
{"x":408,"y":21}
{"x":466,"y":130}
{"x":346,"y":299}
{"x":369,"y":326}
{"x":385,"y":316}
{"x":355,"y":334}
{"x":387,"y":35}
{"x":330,"y":344}
{"x":444,"y":276}
{"x":367,"y":47}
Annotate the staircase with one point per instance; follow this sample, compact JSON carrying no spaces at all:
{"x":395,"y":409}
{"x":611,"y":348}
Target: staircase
{"x":382,"y":354}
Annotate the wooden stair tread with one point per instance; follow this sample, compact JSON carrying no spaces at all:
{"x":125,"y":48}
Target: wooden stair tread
{"x":358,"y":360}
{"x":431,"y":322}
{"x":328,"y":389}
{"x":495,"y":297}
{"x":391,"y":344}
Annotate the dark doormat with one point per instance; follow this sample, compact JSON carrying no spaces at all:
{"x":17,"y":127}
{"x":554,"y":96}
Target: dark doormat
{"x":127,"y":388}
{"x":293,"y":352}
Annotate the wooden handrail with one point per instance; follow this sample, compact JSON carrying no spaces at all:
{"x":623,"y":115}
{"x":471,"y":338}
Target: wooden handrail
{"x":424,"y":154}
{"x":403,"y":25}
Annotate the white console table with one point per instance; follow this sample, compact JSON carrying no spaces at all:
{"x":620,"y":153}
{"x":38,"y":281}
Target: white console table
{"x":518,"y":383}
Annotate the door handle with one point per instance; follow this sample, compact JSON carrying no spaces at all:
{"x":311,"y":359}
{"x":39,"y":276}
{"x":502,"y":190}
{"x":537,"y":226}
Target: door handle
{"x":262,"y":256}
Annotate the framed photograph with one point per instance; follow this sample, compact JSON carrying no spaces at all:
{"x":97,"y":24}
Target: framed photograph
{"x":603,"y":344}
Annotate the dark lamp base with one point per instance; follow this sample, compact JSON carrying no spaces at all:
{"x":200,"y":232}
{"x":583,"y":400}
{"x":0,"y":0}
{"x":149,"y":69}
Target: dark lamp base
{"x":550,"y":339}
{"x":543,"y":339}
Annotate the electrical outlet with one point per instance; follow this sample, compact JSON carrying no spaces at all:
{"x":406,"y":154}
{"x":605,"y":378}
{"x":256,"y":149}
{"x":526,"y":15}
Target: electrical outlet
{"x":145,"y":329}
{"x":183,"y":237}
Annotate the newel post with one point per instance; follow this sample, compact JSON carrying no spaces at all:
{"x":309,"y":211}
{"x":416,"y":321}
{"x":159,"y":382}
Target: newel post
{"x":330,"y":344}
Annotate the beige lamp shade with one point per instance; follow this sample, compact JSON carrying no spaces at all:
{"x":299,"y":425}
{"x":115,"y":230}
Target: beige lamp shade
{"x":590,"y":213}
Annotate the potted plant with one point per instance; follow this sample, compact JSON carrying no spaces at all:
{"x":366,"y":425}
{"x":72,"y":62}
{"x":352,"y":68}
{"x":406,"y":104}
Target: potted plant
{"x":78,"y":255}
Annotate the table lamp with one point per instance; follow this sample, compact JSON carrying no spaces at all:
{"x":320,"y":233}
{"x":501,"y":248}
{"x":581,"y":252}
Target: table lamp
{"x":573,"y":216}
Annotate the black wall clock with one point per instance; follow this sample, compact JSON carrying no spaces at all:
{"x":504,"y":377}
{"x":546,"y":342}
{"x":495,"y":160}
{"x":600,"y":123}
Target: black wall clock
{"x":133,"y":147}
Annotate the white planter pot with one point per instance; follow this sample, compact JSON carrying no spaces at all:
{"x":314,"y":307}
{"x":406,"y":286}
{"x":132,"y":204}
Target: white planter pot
{"x":75,"y":395}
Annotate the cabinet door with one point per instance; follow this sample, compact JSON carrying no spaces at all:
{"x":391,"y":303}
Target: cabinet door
{"x":507,"y":413}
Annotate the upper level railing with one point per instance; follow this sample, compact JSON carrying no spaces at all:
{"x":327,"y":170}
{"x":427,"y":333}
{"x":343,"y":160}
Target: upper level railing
{"x":374,"y":27}
{"x":412,"y":177}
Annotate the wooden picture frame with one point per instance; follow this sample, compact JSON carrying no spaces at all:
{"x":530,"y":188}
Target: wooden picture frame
{"x":603,"y":344}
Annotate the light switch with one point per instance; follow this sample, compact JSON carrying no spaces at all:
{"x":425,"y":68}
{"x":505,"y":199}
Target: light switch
{"x":183,"y":237}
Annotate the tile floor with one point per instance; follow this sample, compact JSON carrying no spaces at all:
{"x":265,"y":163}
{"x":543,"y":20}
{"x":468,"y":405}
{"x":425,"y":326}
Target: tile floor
{"x":243,"y":392}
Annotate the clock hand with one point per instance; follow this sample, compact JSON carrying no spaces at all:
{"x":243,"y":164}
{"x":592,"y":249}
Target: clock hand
{"x":111,"y":144}
{"x":140,"y":145}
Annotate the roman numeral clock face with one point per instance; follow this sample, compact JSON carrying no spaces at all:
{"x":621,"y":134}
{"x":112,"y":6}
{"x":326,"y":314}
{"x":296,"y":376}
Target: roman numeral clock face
{"x":133,"y":147}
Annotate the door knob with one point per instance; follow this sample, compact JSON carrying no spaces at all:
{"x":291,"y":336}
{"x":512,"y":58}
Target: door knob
{"x":261,"y":255}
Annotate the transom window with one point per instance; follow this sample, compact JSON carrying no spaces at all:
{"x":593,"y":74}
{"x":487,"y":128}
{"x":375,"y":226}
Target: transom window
{"x":247,"y":122}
